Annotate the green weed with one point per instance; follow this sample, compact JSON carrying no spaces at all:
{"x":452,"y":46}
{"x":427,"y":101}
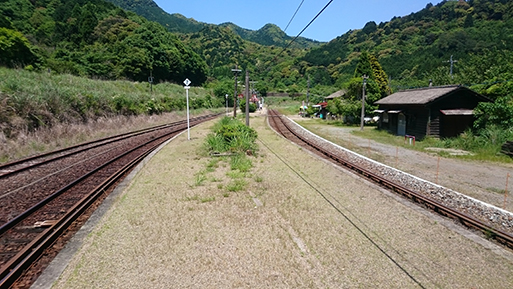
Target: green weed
{"x":241,"y":163}
{"x":237,"y":185}
{"x":199,"y":179}
{"x":207,"y":199}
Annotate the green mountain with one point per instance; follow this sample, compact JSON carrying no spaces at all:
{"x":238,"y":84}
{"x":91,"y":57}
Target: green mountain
{"x":420,"y":45}
{"x":93,"y":38}
{"x":151,"y":11}
{"x":270,"y":34}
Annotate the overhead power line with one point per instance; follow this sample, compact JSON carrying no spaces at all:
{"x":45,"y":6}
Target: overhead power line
{"x":318,"y":14}
{"x":294,"y":15}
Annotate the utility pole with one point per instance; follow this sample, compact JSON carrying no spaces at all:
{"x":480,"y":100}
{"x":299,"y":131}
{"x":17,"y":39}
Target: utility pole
{"x":226,"y":98}
{"x":452,"y":64}
{"x":235,"y":72}
{"x":363,"y":101}
{"x":247,"y":97}
{"x":150,"y":80}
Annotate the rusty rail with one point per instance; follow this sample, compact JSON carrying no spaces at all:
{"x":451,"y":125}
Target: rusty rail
{"x":467,"y":220}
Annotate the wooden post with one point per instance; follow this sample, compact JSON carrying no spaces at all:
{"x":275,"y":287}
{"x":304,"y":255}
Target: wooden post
{"x":506,"y":193}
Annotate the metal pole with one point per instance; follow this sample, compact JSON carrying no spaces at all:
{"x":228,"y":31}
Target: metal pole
{"x":363,"y":101}
{"x":235,"y":71}
{"x":226,"y":97}
{"x":150,"y":80}
{"x":187,"y":82}
{"x":247,"y":98}
{"x":188,"y":129}
{"x":452,"y":63}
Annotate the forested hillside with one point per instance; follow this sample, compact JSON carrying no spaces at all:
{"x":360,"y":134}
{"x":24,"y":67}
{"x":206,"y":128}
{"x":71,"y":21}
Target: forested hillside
{"x":93,"y":38}
{"x":269,"y":35}
{"x":148,"y":9}
{"x":418,"y":47}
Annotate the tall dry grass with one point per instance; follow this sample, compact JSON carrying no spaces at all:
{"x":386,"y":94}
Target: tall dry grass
{"x":41,"y":111}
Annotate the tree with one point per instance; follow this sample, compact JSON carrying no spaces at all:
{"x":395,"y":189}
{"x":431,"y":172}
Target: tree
{"x":364,"y":66}
{"x":370,"y":27}
{"x":15,"y":49}
{"x":368,"y":65}
{"x":498,"y":113}
{"x":380,"y":77}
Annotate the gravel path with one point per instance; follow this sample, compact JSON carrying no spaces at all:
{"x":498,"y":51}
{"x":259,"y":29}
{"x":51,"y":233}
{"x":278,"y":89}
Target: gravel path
{"x":177,"y":226}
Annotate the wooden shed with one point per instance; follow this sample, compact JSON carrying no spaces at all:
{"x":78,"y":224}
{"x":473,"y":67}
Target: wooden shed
{"x":435,"y":111}
{"x":336,"y":94}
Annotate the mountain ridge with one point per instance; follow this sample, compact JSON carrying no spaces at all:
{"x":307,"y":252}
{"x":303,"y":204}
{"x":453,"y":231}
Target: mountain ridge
{"x":178,"y":23}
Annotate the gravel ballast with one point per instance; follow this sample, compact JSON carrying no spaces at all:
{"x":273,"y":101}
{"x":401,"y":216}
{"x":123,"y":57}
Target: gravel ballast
{"x":299,"y":223}
{"x":493,"y":216}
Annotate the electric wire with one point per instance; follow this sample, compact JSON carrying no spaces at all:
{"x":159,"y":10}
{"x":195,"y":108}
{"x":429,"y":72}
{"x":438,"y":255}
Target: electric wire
{"x":294,"y":15}
{"x":332,"y":204}
{"x":292,"y":41}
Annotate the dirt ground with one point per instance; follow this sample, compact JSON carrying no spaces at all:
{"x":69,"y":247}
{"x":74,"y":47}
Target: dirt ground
{"x":299,"y":222}
{"x":480,"y":180}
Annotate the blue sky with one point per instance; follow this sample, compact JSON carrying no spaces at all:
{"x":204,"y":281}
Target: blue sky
{"x":340,"y":17}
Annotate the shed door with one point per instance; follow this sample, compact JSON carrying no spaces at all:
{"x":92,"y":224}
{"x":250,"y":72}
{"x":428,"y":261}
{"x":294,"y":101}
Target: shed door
{"x":401,"y":125}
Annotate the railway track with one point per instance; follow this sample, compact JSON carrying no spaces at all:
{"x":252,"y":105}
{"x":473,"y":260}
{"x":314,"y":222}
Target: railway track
{"x":372,"y":172}
{"x":42,"y":196}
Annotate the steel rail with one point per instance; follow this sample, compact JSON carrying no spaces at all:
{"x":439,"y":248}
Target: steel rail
{"x":468,"y":220}
{"x":72,"y":150}
{"x":16,"y":266}
{"x":12,"y":270}
{"x":13,"y":222}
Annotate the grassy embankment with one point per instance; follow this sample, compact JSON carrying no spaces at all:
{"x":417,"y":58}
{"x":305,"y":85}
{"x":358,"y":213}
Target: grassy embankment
{"x":44,"y":111}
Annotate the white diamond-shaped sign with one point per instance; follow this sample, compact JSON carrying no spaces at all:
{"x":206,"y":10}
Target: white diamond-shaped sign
{"x":187,"y":82}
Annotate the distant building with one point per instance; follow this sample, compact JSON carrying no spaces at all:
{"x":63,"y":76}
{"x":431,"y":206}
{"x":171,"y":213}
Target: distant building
{"x":336,"y":94}
{"x":435,"y":111}
{"x":277,"y":94}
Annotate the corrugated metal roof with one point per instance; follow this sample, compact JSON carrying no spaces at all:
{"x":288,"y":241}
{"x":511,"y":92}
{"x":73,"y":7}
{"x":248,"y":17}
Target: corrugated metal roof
{"x":457,"y":111}
{"x":336,"y":94}
{"x":417,"y":96}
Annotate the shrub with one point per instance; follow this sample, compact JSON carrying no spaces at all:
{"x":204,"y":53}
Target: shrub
{"x":231,"y":135}
{"x":252,"y":107}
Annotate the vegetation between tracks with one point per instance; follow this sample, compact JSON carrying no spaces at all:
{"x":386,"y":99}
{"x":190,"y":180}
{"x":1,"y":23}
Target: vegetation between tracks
{"x":230,"y":142}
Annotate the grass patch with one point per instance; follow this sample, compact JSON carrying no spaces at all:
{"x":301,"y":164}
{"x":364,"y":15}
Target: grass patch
{"x":207,"y":199}
{"x":199,"y":179}
{"x":231,"y":135}
{"x":241,"y":162}
{"x":193,"y":198}
{"x":482,"y":146}
{"x":236,"y":174}
{"x":237,"y":185}
{"x":213,"y":164}
{"x":498,"y":191}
